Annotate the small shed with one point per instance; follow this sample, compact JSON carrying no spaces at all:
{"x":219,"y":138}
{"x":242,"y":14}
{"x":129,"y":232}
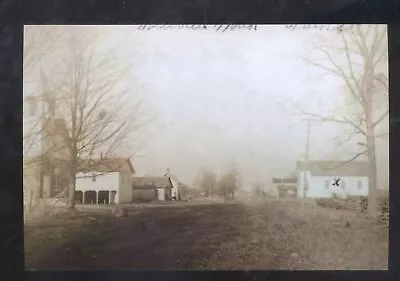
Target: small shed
{"x":286,"y":187}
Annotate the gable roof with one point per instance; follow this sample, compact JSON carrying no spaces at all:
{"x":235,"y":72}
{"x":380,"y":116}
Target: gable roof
{"x":335,"y":168}
{"x":151,"y":182}
{"x":108,"y":165}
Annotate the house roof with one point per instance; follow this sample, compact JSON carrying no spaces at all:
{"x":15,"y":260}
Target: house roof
{"x":106,"y":165}
{"x":335,"y":168}
{"x":151,"y":182}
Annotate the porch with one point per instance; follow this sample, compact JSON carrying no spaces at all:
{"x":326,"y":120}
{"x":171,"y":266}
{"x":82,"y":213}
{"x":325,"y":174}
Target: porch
{"x":96,"y":197}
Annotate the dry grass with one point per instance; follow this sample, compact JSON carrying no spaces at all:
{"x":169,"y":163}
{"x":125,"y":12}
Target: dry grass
{"x":294,"y":236}
{"x":262,"y":235}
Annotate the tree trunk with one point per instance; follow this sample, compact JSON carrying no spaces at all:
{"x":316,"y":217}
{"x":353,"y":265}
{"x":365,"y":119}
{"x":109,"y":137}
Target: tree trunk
{"x":71,"y":196}
{"x":372,"y":175}
{"x":30,"y":200}
{"x":71,"y":185}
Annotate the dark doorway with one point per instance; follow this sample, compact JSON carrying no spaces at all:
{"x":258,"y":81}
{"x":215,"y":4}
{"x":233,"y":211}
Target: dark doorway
{"x":103,"y":197}
{"x":113,"y":197}
{"x":90,"y":197}
{"x":79,"y":197}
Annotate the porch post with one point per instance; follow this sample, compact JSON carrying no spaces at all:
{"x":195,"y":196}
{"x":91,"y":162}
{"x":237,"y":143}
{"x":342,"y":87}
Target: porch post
{"x":109,"y":197}
{"x":97,"y":197}
{"x":83,"y":197}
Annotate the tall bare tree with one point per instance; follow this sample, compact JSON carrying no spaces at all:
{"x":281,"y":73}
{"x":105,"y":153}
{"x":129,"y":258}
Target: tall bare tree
{"x":258,"y":189}
{"x":93,"y":114}
{"x":208,"y":183}
{"x":229,"y":183}
{"x":359,"y":59}
{"x":39,"y":42}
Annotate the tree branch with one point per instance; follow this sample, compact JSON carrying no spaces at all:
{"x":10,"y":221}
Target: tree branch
{"x":350,"y":63}
{"x":338,"y":71}
{"x":380,"y":119}
{"x":383,"y":80}
{"x":345,"y":120}
{"x":350,"y":160}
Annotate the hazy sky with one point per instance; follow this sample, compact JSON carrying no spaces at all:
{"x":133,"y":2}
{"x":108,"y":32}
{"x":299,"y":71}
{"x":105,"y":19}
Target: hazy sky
{"x":225,"y":99}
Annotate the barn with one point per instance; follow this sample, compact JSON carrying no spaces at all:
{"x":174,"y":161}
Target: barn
{"x":151,"y":188}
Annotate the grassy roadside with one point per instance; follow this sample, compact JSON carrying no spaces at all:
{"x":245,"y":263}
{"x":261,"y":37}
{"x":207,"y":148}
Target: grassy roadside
{"x":252,"y":235}
{"x":162,"y":237}
{"x":53,"y":234}
{"x":292,"y":237}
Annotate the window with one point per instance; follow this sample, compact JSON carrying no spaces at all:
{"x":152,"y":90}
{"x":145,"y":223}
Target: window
{"x":327,"y":184}
{"x":113,"y":197}
{"x":93,"y":177}
{"x":359,"y":185}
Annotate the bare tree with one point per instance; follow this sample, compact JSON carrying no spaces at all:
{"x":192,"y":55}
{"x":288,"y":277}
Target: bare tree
{"x":39,"y":42}
{"x":258,"y":189}
{"x":235,"y":182}
{"x":93,"y":115}
{"x":208,"y":183}
{"x":359,"y":59}
{"x":229,"y":183}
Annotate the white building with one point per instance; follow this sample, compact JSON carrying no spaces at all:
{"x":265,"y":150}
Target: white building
{"x":105,"y":182}
{"x":175,"y":193}
{"x":325,"y":179}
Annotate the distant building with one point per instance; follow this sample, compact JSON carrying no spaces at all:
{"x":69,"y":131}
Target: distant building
{"x":31,"y":172}
{"x":326,"y":179}
{"x":54,"y":178}
{"x":151,"y":188}
{"x":285,"y":187}
{"x":107,"y":181}
{"x":48,"y":164}
{"x":175,"y":190}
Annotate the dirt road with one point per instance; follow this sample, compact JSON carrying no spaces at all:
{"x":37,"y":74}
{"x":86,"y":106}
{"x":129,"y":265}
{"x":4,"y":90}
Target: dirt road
{"x":269,"y":235}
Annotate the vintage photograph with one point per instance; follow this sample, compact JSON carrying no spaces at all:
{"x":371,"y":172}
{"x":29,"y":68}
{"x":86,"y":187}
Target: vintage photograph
{"x":206,"y":147}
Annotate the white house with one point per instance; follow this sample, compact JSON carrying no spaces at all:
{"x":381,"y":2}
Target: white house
{"x":105,"y":182}
{"x":325,"y":179}
{"x":175,"y":193}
